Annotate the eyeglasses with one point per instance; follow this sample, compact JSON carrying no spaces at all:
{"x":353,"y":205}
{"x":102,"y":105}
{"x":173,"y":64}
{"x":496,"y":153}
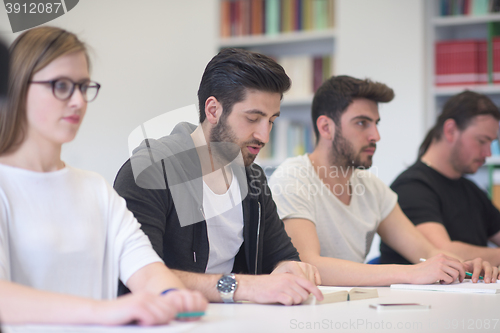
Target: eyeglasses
{"x":63,"y":88}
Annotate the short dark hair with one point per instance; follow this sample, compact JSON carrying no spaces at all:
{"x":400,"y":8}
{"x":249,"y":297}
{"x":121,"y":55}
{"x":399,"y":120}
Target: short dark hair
{"x":462,"y":108}
{"x":338,"y":92}
{"x":232,"y":71}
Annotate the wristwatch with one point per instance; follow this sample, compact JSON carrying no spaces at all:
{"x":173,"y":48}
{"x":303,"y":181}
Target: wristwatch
{"x":226,"y":286}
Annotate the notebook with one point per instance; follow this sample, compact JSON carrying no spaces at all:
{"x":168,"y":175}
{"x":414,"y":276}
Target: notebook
{"x":467,"y":286}
{"x":340,"y":294}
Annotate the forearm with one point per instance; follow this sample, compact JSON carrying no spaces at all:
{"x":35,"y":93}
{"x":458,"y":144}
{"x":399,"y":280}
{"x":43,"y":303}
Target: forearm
{"x":154,"y":278}
{"x":415,"y":246}
{"x":338,"y":272}
{"x":20,"y":304}
{"x":469,"y":252}
{"x":204,"y":283}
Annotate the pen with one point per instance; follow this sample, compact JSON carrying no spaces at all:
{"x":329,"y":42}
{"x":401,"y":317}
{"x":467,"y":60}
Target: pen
{"x":190,"y":314}
{"x":469,"y":275}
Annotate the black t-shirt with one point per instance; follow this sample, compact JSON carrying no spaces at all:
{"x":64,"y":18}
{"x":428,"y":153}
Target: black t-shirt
{"x":459,"y":205}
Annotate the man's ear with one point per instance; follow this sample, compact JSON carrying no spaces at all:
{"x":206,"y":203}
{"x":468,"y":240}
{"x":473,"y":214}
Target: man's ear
{"x":450,"y":130}
{"x":213,"y":110}
{"x":326,"y":128}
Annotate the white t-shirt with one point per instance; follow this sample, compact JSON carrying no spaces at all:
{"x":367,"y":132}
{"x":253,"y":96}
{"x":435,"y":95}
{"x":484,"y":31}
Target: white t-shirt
{"x":344,"y":231}
{"x":224,"y":216}
{"x":68,"y":231}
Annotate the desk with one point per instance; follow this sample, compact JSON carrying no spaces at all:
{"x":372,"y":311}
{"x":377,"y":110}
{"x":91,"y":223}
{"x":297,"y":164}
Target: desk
{"x":449,"y":313}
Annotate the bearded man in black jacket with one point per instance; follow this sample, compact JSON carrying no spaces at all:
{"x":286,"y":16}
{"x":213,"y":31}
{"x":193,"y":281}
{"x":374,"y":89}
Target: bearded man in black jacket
{"x":205,"y":205}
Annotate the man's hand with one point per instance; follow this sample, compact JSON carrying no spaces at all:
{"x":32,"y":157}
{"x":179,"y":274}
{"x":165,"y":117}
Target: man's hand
{"x":298,"y":268}
{"x":284,"y":288}
{"x":437,"y":268}
{"x":480,"y":267}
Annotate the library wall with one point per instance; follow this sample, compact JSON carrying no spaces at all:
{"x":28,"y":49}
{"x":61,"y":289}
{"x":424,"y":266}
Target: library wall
{"x":149,"y":57}
{"x":384,"y":41}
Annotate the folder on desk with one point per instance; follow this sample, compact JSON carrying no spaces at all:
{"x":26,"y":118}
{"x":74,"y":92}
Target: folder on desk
{"x":340,"y":294}
{"x":467,"y":286}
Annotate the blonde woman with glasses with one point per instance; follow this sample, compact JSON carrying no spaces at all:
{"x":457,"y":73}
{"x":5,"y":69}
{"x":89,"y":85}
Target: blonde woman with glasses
{"x":66,"y":237}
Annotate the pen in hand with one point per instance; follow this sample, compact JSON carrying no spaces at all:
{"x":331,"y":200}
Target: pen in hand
{"x":467,"y":274}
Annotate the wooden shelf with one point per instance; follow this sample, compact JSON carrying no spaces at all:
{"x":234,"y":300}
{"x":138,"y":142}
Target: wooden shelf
{"x":284,"y":38}
{"x":480,"y":88}
{"x":442,"y":21}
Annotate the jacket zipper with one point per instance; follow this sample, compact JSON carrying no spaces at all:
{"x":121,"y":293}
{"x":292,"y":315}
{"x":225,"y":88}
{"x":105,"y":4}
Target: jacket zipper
{"x":258,"y":236}
{"x":202,"y":213}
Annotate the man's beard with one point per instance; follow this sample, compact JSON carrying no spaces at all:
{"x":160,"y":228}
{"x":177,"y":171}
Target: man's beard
{"x":224,"y":146}
{"x":343,"y":153}
{"x":457,"y":160}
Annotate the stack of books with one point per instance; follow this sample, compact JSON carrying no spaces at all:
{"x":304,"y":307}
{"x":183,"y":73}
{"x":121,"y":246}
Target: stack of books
{"x":307,"y":73}
{"x":462,"y":62}
{"x":288,"y":139}
{"x":257,"y":17}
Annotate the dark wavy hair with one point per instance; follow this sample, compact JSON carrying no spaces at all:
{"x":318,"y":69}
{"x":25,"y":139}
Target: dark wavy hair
{"x":462,"y":108}
{"x":232,"y":71}
{"x":338,"y":92}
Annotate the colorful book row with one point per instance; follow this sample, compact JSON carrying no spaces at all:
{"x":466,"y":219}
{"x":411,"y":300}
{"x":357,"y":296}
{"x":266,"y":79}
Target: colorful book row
{"x":257,"y":17}
{"x":288,"y":139}
{"x":306,"y":73}
{"x":468,"y":7}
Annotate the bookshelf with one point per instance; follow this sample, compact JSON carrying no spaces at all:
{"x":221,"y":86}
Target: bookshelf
{"x":477,"y":24}
{"x":463,"y":20}
{"x":300,"y":35}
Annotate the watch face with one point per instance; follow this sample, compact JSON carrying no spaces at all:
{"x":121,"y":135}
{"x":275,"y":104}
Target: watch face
{"x":226,"y":284}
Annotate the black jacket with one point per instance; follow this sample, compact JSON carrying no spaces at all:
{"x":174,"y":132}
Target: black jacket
{"x":186,"y":247}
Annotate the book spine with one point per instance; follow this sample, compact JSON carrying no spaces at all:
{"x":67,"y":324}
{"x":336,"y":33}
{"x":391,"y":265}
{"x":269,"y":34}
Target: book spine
{"x":232,"y":11}
{"x":245,"y":17}
{"x":320,"y":17}
{"x":482,"y":49}
{"x":317,"y":72}
{"x":496,"y":59}
{"x":298,"y":15}
{"x":272,"y":17}
{"x":225,"y":19}
{"x":331,"y":13}
{"x":327,"y":67}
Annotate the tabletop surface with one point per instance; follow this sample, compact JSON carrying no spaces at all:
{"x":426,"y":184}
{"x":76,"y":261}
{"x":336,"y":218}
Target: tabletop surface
{"x":449,"y":312}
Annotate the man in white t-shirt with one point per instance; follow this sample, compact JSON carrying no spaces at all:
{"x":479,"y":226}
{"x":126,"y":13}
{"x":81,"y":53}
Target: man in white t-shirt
{"x":332,"y":206}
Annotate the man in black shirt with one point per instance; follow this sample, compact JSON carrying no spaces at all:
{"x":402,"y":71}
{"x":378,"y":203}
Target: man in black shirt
{"x":448,"y":209}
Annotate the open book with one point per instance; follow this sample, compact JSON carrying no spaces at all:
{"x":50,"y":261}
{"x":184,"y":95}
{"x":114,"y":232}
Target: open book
{"x":341,"y":294}
{"x":467,"y":286}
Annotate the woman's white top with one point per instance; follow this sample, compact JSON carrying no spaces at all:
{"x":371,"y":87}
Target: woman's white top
{"x":68,"y":231}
